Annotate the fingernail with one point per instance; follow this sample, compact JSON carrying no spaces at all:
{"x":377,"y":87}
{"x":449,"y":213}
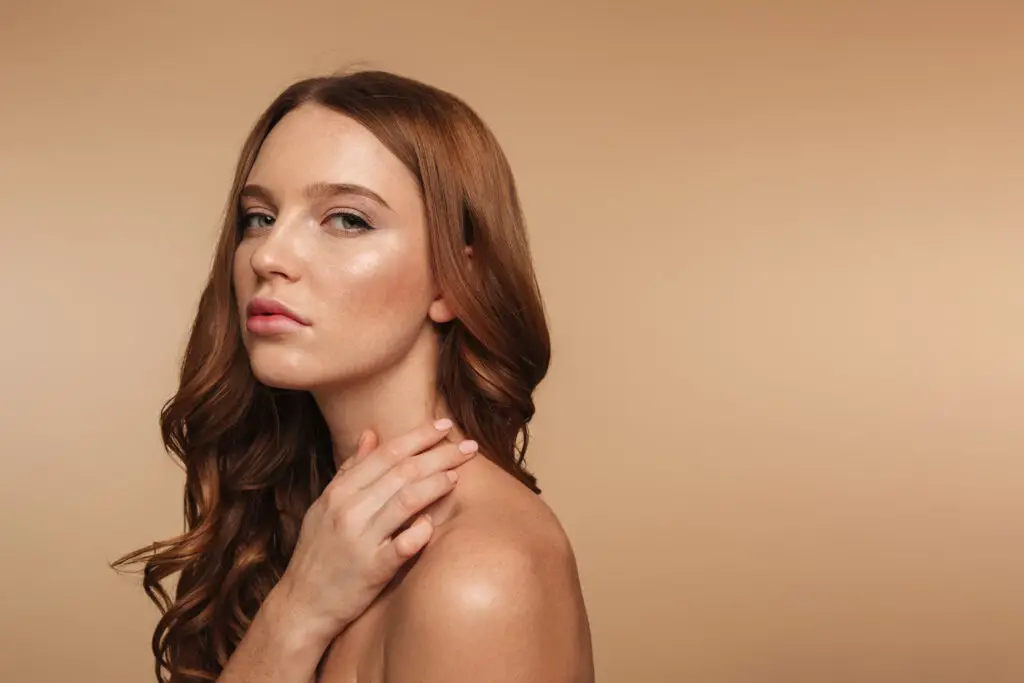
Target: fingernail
{"x":453,"y":475}
{"x":468,"y":447}
{"x":443,"y":424}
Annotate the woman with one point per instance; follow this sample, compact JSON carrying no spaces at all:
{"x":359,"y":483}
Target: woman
{"x":353,"y":408}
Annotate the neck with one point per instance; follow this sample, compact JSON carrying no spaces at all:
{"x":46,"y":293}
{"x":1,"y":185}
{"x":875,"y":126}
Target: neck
{"x":390,"y":403}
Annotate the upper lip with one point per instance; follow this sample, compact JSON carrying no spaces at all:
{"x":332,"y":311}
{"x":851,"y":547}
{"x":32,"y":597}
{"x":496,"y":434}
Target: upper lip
{"x":261,"y":306}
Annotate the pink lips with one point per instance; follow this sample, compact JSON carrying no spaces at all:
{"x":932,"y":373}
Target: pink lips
{"x":270,"y":317}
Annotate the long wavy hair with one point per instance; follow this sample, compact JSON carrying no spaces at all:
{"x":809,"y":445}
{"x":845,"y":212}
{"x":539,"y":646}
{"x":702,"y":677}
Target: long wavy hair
{"x":256,"y":457}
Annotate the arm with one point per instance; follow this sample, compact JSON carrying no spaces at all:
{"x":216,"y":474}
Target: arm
{"x":491,"y":612}
{"x":279,"y":647}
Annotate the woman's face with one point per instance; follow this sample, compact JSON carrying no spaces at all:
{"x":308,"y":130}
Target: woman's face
{"x":331,"y":274}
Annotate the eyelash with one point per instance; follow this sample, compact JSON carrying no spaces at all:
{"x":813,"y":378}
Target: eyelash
{"x":362,"y":225}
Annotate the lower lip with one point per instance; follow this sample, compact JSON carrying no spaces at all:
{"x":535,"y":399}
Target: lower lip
{"x":268,"y":325}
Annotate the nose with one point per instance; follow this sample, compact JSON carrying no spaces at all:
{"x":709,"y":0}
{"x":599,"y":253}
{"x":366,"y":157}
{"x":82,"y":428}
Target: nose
{"x":277,"y":253}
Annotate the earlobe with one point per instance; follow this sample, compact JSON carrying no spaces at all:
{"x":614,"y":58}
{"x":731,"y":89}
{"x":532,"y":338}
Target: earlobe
{"x":440,"y":311}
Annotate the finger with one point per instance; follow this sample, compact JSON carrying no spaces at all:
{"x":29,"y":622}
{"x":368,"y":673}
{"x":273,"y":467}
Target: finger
{"x":395,"y":552}
{"x":368,"y":502}
{"x":438,"y":459}
{"x":367,"y":442}
{"x":409,"y":501}
{"x":386,"y":456}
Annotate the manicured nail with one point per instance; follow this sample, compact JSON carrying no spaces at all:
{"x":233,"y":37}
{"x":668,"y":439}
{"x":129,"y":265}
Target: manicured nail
{"x":453,"y":475}
{"x":468,"y":447}
{"x":443,"y":424}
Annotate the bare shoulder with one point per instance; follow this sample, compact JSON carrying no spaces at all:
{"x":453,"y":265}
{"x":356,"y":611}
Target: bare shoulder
{"x":494,"y":597}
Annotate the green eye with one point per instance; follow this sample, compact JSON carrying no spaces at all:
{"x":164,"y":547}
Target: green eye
{"x":255,"y":221}
{"x":349,"y":222}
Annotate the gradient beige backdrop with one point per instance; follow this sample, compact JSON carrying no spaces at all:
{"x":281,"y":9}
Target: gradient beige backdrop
{"x":782,"y":248}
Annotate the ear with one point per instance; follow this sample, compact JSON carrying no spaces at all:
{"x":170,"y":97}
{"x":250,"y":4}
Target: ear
{"x":440,"y":310}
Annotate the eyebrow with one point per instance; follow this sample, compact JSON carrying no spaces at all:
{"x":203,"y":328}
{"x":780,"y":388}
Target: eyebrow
{"x":316,"y":191}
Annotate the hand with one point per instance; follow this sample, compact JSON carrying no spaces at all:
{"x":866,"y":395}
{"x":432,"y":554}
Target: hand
{"x":354,"y":537}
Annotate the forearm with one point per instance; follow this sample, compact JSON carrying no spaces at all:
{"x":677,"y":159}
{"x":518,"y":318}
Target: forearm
{"x":277,"y":648}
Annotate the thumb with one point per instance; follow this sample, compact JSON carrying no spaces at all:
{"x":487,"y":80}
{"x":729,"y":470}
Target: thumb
{"x":367,"y":442}
{"x":364,"y":446}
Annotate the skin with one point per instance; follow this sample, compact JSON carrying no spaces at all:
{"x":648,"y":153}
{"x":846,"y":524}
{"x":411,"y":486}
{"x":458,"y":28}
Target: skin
{"x":494,"y":596}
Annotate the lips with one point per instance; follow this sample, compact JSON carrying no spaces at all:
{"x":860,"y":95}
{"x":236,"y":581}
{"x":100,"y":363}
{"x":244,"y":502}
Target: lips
{"x":271,"y":318}
{"x":272,"y":308}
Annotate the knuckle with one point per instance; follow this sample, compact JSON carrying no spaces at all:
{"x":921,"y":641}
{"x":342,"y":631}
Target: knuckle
{"x":343,"y":516}
{"x":348,"y":530}
{"x":335,"y":499}
{"x":408,"y":499}
{"x":409,"y":470}
{"x":403,"y":546}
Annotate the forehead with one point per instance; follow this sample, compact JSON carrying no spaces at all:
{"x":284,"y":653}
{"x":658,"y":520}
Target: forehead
{"x":314,"y":144}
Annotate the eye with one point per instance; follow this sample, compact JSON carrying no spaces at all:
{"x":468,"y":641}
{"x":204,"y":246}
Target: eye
{"x":255,"y":221}
{"x":346,"y":221}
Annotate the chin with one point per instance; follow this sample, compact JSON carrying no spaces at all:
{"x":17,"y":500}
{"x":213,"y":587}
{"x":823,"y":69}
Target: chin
{"x":284,"y":369}
{"x":279,"y":380}
{"x":281,"y":367}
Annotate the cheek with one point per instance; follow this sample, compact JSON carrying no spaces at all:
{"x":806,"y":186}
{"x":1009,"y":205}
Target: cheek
{"x":382,"y":288}
{"x":242,"y":276}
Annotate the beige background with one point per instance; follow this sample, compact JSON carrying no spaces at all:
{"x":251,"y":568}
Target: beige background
{"x":781,"y":245}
